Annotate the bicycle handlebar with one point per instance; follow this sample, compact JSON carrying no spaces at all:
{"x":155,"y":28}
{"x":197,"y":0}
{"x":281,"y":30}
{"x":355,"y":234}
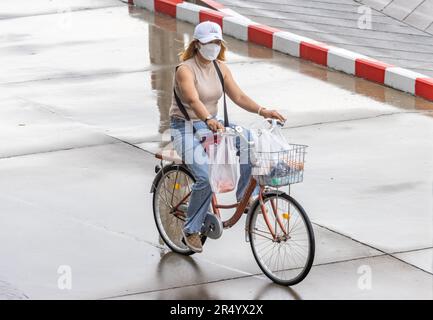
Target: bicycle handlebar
{"x":238,"y":130}
{"x":274,"y":122}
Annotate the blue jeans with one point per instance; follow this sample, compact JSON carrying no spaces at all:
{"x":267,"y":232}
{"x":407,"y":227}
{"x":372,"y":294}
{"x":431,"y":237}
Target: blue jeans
{"x":189,"y":147}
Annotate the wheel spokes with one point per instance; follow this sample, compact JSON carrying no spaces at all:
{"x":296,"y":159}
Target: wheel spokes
{"x":285,"y":255}
{"x":174,"y":187}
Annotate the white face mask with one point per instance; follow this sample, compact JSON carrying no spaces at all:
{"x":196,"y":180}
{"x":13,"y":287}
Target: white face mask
{"x":210,"y":51}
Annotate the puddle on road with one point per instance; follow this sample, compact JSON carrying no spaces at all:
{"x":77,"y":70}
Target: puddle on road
{"x":263,"y":289}
{"x":167,"y":37}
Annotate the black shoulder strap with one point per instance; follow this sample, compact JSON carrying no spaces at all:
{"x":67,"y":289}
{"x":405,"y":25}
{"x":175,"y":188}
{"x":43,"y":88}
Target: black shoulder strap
{"x":181,"y":106}
{"x":183,"y":109}
{"x":179,"y":103}
{"x":226,"y":118}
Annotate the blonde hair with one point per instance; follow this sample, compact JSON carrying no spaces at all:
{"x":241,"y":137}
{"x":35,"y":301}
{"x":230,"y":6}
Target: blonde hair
{"x":191,"y":51}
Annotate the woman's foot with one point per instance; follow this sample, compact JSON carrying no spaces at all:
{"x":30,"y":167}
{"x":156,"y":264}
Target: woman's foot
{"x":193,"y":241}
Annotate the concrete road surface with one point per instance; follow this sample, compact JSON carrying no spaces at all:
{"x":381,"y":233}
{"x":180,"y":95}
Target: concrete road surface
{"x":84,"y":94}
{"x":362,"y":26}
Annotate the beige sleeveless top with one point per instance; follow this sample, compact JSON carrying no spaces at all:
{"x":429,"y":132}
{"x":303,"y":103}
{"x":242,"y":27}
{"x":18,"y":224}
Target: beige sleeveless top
{"x":208,"y":86}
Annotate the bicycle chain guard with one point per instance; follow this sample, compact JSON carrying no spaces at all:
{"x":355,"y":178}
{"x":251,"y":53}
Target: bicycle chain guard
{"x":212,"y":226}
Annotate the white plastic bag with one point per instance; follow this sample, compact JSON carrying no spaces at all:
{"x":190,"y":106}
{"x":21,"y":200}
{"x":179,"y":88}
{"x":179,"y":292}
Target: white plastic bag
{"x":223,"y":165}
{"x":269,"y":138}
{"x":268,"y":143}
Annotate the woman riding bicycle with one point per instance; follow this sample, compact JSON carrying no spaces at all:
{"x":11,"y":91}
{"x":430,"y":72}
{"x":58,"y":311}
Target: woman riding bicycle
{"x":197,"y":89}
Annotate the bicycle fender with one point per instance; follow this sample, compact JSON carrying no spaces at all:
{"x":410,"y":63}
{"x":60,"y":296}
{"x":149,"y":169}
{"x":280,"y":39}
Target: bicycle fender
{"x":160,"y":173}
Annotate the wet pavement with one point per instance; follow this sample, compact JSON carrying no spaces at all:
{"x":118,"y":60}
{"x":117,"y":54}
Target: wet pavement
{"x":418,"y":13}
{"x":82,"y":109}
{"x":357,"y":25}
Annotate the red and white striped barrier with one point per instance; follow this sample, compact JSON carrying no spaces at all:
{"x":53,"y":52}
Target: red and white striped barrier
{"x":245,"y":29}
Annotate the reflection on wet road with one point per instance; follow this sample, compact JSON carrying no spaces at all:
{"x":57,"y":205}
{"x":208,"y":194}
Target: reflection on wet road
{"x":82,"y":109}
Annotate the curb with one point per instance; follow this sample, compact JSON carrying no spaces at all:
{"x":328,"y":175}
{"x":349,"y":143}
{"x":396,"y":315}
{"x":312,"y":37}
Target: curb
{"x":240,"y":27}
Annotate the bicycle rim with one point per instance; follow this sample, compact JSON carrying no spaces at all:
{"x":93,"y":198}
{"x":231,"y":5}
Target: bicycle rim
{"x":286,"y":258}
{"x":174,"y":185}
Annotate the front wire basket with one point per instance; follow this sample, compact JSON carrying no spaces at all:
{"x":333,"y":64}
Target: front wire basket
{"x":279,"y":168}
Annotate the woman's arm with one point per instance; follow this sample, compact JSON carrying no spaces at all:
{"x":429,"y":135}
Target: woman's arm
{"x":242,"y":100}
{"x":185,"y":80}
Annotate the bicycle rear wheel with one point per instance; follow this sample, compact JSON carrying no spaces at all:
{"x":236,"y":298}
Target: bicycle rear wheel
{"x":173,"y":187}
{"x":281,"y":238}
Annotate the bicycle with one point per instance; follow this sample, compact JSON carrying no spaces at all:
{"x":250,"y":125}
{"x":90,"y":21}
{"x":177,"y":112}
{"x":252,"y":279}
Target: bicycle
{"x":274,"y":219}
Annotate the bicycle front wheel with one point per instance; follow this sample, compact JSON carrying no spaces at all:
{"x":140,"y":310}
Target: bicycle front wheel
{"x":281,"y":238}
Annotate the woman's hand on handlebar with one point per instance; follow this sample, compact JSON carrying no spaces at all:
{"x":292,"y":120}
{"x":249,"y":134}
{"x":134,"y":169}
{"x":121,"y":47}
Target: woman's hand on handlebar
{"x":272,"y":114}
{"x":215,"y":125}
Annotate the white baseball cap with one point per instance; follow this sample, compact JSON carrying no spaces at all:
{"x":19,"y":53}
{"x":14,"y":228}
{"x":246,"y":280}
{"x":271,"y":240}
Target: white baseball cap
{"x":207,"y":31}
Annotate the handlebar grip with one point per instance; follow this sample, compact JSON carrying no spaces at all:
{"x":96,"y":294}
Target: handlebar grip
{"x":274,"y":122}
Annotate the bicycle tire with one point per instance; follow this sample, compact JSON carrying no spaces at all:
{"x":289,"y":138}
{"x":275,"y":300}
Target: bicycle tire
{"x":311,"y":252}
